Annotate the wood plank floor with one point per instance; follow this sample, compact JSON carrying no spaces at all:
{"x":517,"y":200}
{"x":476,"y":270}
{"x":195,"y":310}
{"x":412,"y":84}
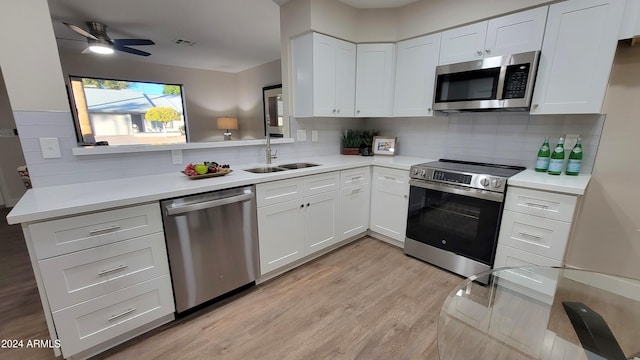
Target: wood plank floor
{"x":366,"y":300}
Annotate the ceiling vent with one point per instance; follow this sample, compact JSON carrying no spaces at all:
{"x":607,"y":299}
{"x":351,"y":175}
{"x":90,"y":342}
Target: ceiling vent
{"x":184,"y":42}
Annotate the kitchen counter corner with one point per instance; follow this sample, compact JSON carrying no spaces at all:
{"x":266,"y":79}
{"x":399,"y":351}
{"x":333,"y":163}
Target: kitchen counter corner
{"x":575,"y":185}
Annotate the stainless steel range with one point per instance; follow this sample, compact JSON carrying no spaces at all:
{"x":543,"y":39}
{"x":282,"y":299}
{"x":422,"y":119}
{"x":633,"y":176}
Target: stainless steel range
{"x":454,"y":213}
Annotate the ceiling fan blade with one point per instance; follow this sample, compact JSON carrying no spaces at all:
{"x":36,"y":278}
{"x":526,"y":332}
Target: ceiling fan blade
{"x":80,"y":31}
{"x":128,"y":42}
{"x":131,"y":50}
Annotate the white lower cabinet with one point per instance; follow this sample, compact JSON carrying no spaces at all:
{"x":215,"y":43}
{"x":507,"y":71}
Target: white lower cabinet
{"x":389,"y":202}
{"x":101,"y":276}
{"x":293,"y":229}
{"x":354,"y":210}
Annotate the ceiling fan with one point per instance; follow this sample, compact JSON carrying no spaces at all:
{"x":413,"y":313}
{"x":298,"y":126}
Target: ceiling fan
{"x":101,"y":43}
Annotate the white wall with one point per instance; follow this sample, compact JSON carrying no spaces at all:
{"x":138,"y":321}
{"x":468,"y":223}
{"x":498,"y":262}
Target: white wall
{"x":11,"y":186}
{"x":606,"y":236}
{"x":250,"y":106}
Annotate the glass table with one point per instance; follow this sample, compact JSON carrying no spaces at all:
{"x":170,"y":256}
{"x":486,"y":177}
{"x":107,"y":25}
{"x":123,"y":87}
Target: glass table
{"x":541,"y":313}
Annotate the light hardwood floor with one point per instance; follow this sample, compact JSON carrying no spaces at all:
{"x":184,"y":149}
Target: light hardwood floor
{"x":366,"y":300}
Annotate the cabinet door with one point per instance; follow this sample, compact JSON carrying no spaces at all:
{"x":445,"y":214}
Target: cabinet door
{"x":516,"y":33}
{"x":577,"y":53}
{"x":465,"y":43}
{"x":415,"y":76}
{"x":345,"y":78}
{"x":321,"y":221}
{"x":324,"y":75}
{"x":354,"y":210}
{"x":281,"y":234}
{"x":389,"y":202}
{"x":375,"y":68}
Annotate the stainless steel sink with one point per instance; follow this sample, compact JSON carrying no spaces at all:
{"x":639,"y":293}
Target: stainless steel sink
{"x":298,"y":165}
{"x":264,"y":170}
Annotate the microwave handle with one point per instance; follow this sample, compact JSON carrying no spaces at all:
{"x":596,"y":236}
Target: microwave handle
{"x":501,"y":79}
{"x":479,"y":194}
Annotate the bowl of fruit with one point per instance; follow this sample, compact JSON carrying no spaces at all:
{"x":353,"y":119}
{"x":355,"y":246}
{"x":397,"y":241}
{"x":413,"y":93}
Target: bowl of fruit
{"x":206,"y":170}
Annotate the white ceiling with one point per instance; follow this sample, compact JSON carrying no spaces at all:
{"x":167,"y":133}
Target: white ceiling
{"x":231,"y":35}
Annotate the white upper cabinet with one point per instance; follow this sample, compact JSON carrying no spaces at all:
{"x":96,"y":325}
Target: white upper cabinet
{"x":415,"y":75}
{"x":465,"y":43}
{"x":375,"y":72}
{"x":630,"y":26}
{"x":576,"y":58}
{"x":324,"y":76}
{"x":511,"y":34}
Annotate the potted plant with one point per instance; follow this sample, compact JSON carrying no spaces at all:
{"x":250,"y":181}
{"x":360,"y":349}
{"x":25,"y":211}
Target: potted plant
{"x":351,"y":140}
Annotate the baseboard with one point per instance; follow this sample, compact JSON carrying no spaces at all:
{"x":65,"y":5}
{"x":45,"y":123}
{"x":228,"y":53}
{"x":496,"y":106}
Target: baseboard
{"x":625,"y":287}
{"x":295,"y":264}
{"x":386,"y":239}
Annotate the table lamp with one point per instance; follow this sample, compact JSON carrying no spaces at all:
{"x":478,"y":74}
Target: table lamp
{"x":227,"y":123}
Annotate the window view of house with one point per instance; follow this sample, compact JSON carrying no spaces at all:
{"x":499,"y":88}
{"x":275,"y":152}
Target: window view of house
{"x":124,"y":112}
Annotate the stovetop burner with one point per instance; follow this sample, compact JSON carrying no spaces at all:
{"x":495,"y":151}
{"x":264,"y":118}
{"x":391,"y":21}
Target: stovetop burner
{"x":485,"y":176}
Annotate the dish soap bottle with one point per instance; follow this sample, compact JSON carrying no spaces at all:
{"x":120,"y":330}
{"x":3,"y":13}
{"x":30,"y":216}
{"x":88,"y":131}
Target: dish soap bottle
{"x":557,"y":159}
{"x":575,"y":159}
{"x":542,"y":162}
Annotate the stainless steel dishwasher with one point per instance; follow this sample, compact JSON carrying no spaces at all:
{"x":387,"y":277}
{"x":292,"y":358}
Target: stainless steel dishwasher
{"x":212,"y":241}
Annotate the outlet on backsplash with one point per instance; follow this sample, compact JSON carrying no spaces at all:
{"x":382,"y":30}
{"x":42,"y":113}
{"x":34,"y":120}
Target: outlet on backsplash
{"x":301,"y":135}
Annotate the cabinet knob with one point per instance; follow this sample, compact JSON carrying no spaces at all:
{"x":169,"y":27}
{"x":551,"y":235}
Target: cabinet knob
{"x":535,"y":106}
{"x":487,"y":51}
{"x":334,"y":110}
{"x":357,"y":111}
{"x":308,"y":204}
{"x":479,"y":53}
{"x":301,"y":206}
{"x":338,"y":111}
{"x":429,"y":109}
{"x":405,"y":196}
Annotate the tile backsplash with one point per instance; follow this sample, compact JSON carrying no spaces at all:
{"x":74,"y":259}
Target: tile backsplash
{"x":507,"y":138}
{"x":502,"y":138}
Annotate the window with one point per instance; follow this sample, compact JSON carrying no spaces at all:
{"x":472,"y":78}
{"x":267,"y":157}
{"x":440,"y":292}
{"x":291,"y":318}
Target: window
{"x":123,"y":112}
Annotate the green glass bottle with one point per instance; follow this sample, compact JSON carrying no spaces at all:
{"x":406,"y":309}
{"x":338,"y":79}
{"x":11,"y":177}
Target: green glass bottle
{"x":542,"y":162}
{"x":557,"y":159}
{"x":575,"y":159}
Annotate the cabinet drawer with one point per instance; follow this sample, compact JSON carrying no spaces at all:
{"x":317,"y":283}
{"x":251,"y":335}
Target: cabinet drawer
{"x":76,"y":233}
{"x":526,"y":280}
{"x":541,"y":203}
{"x":278,"y":191}
{"x":93,"y":322}
{"x":391,"y":180}
{"x":534,"y":234}
{"x":80,"y":276}
{"x":355,"y":177}
{"x":321,"y":183}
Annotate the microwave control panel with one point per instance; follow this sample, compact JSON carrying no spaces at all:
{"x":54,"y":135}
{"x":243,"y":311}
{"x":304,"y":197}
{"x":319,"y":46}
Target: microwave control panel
{"x":515,"y":83}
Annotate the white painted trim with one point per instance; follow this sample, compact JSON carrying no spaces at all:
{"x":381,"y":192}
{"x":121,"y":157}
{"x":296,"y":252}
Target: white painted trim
{"x":626,"y":287}
{"x":121,"y":149}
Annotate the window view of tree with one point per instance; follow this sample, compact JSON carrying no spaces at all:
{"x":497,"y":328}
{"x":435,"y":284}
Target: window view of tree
{"x":124,"y":112}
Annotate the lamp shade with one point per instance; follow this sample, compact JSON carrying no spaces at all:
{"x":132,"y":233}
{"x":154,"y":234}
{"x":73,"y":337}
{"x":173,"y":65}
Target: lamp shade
{"x":227,"y":123}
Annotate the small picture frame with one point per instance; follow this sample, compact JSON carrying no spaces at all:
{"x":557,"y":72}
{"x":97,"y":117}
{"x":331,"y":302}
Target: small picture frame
{"x":384,"y":145}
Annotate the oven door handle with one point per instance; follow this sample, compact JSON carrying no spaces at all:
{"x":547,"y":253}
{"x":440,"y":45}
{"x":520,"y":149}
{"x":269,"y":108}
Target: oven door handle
{"x":482,"y":194}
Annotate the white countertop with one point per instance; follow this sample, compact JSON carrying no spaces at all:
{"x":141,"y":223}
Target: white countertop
{"x":49,"y":202}
{"x":567,"y":184}
{"x":56,"y":201}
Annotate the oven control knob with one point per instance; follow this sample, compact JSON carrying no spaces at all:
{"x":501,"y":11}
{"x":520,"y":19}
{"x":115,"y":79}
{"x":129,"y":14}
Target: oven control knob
{"x":484,"y":182}
{"x":423,"y":173}
{"x":415,"y":171}
{"x":496,"y":183}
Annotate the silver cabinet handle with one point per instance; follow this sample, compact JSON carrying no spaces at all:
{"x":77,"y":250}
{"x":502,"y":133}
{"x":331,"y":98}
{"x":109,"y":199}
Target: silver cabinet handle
{"x":354,"y":178}
{"x":117,"y":268}
{"x":355,"y":191}
{"x":540,"y":206}
{"x":487,"y":51}
{"x":479,"y":53}
{"x":531,"y":235}
{"x":125,"y":313}
{"x":104,"y":230}
{"x":390,"y":178}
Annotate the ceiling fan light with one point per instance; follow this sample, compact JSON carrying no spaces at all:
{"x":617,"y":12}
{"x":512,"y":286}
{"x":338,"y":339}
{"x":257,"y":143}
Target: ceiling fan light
{"x":101,"y":49}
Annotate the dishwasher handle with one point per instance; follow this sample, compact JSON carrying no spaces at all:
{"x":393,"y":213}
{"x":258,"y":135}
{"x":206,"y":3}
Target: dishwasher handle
{"x":171,"y":211}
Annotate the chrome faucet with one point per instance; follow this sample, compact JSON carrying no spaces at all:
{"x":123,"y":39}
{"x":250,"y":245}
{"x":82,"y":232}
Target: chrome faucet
{"x":268,"y":150}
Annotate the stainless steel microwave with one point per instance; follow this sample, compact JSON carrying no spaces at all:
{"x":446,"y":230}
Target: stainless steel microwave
{"x":495,"y":83}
